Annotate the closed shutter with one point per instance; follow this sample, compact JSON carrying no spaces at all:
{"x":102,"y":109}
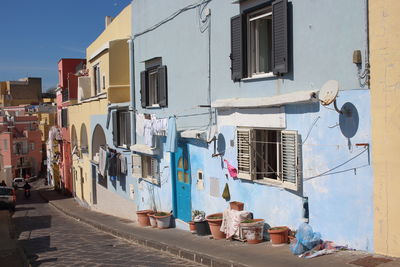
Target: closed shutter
{"x":280,"y":37}
{"x":245,"y":154}
{"x":25,"y":148}
{"x":154,"y":170}
{"x":115,"y":127}
{"x":162,"y":89}
{"x":289,"y":159}
{"x":143,"y":88}
{"x":137,"y":166}
{"x":128,"y":128}
{"x":237,"y":56}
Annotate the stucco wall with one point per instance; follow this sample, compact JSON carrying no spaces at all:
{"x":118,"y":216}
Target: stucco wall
{"x":385,"y":85}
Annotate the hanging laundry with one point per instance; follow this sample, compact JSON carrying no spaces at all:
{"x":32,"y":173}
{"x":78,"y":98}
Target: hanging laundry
{"x":160,"y":126}
{"x":171,"y":136}
{"x":112,"y":164}
{"x":148,"y":133}
{"x":232,"y":170}
{"x":123,"y":164}
{"x":226,"y":194}
{"x":140,"y":122}
{"x":102,"y":161}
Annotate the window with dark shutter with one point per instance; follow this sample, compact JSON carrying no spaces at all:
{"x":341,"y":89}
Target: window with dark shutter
{"x":259,"y":41}
{"x":162,"y":86}
{"x":280,"y":37}
{"x":64,"y":118}
{"x":236,"y":48}
{"x":115,"y":127}
{"x":143,"y":88}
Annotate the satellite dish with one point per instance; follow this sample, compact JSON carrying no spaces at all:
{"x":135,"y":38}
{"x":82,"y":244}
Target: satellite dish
{"x":328,"y":92}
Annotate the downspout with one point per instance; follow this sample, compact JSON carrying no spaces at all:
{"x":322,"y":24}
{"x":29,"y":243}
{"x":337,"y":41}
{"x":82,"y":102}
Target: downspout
{"x":132,"y":106}
{"x":367,"y":63}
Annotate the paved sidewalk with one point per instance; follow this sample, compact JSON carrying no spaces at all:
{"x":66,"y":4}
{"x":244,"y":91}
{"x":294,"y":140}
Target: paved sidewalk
{"x":201,"y":249}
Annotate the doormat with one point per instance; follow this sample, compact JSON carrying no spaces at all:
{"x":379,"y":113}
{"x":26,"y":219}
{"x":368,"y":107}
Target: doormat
{"x":370,"y":261}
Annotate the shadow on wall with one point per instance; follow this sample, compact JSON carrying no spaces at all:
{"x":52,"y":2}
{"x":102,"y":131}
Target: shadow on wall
{"x":349,"y":121}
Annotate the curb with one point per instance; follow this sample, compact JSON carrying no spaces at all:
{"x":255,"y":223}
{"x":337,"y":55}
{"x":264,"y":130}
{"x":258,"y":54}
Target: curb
{"x":176,"y":251}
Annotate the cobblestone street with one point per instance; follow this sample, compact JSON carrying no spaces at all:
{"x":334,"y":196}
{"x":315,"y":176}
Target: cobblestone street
{"x":52,"y":239}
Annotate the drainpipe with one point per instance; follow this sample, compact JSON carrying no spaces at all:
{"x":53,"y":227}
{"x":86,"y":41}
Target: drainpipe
{"x":132,"y":106}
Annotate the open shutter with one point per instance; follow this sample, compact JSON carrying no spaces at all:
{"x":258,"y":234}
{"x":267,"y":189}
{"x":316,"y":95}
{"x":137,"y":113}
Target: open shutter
{"x":115,"y":127}
{"x":154,"y":170}
{"x":143,"y":88}
{"x":236,"y":48}
{"x":289,"y":159}
{"x":245,"y":154}
{"x":280,"y":37}
{"x":137,"y":166}
{"x":162,"y":90}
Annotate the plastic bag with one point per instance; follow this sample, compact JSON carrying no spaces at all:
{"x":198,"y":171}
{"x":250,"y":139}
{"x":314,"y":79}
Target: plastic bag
{"x":306,"y":239}
{"x":226,"y":195}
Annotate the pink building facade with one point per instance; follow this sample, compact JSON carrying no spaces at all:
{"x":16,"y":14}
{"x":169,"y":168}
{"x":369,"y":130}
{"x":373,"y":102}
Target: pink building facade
{"x":20,"y":143}
{"x":67,"y":94}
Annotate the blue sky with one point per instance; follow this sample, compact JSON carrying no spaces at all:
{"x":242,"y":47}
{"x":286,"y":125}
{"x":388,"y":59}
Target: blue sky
{"x":35,"y":34}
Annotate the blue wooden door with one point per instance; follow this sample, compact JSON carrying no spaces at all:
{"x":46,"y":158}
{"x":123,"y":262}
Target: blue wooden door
{"x":183,"y":184}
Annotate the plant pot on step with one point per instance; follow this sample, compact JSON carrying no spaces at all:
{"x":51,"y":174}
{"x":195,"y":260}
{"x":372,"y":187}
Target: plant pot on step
{"x":252,"y":230}
{"x":236,"y":205}
{"x":143,"y":219}
{"x":192,"y":227}
{"x":163,"y":219}
{"x":202,"y":228}
{"x":278,"y":235}
{"x":215,"y":221}
{"x":153,"y":221}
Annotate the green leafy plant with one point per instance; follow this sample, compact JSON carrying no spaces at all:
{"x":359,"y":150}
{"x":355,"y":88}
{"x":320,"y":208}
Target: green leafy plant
{"x":160,"y":214}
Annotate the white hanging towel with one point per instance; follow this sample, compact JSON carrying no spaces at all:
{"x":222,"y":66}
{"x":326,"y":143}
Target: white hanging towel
{"x":140,"y":123}
{"x":102,"y":161}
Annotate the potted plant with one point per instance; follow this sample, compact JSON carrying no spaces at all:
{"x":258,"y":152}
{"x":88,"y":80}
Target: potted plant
{"x":252,"y":230}
{"x":279,"y":234}
{"x":143,"y":219}
{"x":153,"y":221}
{"x":199,"y":218}
{"x":215,"y":221}
{"x":163,"y":219}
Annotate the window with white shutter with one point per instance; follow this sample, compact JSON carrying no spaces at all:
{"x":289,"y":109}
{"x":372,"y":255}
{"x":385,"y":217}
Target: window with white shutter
{"x":137,"y":166}
{"x":268,"y":156}
{"x":146,"y":168}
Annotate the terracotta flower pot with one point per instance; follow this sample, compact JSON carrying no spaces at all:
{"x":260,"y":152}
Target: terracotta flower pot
{"x":143,"y":219}
{"x":252,"y":230}
{"x":279,"y":235}
{"x":215,"y":221}
{"x":153,"y":221}
{"x":163,"y":219}
{"x":192,"y":227}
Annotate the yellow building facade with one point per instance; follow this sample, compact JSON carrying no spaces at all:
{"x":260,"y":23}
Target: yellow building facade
{"x":385,"y":94}
{"x":107,"y":82}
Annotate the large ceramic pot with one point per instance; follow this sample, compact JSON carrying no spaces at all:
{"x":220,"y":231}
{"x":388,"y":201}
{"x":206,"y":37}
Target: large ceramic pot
{"x":215,"y":221}
{"x":278,"y":235}
{"x":252,"y":230}
{"x":143,"y":219}
{"x":153,"y":221}
{"x":163,"y":219}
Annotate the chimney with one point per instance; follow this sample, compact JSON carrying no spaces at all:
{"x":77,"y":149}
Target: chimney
{"x":109,"y":19}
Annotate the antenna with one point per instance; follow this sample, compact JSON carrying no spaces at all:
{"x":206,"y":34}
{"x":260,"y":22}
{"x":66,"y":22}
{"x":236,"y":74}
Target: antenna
{"x":328,"y":93}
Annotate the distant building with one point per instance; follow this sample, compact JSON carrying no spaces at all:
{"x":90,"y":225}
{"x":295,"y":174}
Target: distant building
{"x":20,"y":144}
{"x":24,"y":91}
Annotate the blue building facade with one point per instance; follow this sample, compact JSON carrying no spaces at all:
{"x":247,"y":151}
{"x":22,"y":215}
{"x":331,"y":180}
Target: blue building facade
{"x":241,"y":79}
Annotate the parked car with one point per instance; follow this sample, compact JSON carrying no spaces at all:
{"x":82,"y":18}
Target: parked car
{"x":18,"y":182}
{"x":8,"y":197}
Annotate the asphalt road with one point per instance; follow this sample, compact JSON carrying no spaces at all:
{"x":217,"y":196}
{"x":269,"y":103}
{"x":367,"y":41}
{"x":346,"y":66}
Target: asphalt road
{"x":50,"y":238}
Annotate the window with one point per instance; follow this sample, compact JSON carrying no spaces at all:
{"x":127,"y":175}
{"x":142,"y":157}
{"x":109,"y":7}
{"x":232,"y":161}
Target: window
{"x":145,"y":167}
{"x":121,"y":128}
{"x":153,"y":82}
{"x":32,"y":146}
{"x":259,"y":41}
{"x":268,"y":155}
{"x":64,"y":118}
{"x":5,"y":143}
{"x":97,"y":77}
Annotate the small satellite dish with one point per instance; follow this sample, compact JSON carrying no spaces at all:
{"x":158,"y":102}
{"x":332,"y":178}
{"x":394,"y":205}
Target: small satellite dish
{"x":328,"y":92}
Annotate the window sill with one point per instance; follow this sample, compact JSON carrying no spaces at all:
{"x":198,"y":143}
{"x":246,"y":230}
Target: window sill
{"x":269,"y":182}
{"x":155,"y":106}
{"x":144,"y":149}
{"x":260,"y":76}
